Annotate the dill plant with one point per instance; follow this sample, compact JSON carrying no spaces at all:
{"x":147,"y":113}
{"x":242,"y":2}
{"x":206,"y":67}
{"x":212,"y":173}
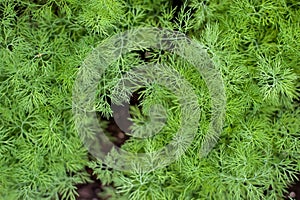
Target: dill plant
{"x":256,"y":158}
{"x":254,"y":44}
{"x":42,"y":45}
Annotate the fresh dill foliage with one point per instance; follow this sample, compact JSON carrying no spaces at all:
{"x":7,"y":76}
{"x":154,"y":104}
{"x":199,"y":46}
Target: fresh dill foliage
{"x":255,"y":45}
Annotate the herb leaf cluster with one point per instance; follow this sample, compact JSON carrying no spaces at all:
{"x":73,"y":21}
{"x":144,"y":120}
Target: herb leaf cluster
{"x":255,"y":45}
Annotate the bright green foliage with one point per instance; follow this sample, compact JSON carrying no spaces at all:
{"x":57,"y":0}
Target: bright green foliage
{"x":42,"y":45}
{"x":256,"y":46}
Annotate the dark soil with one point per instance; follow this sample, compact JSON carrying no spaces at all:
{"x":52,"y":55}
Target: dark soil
{"x":294,"y":191}
{"x":90,"y":191}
